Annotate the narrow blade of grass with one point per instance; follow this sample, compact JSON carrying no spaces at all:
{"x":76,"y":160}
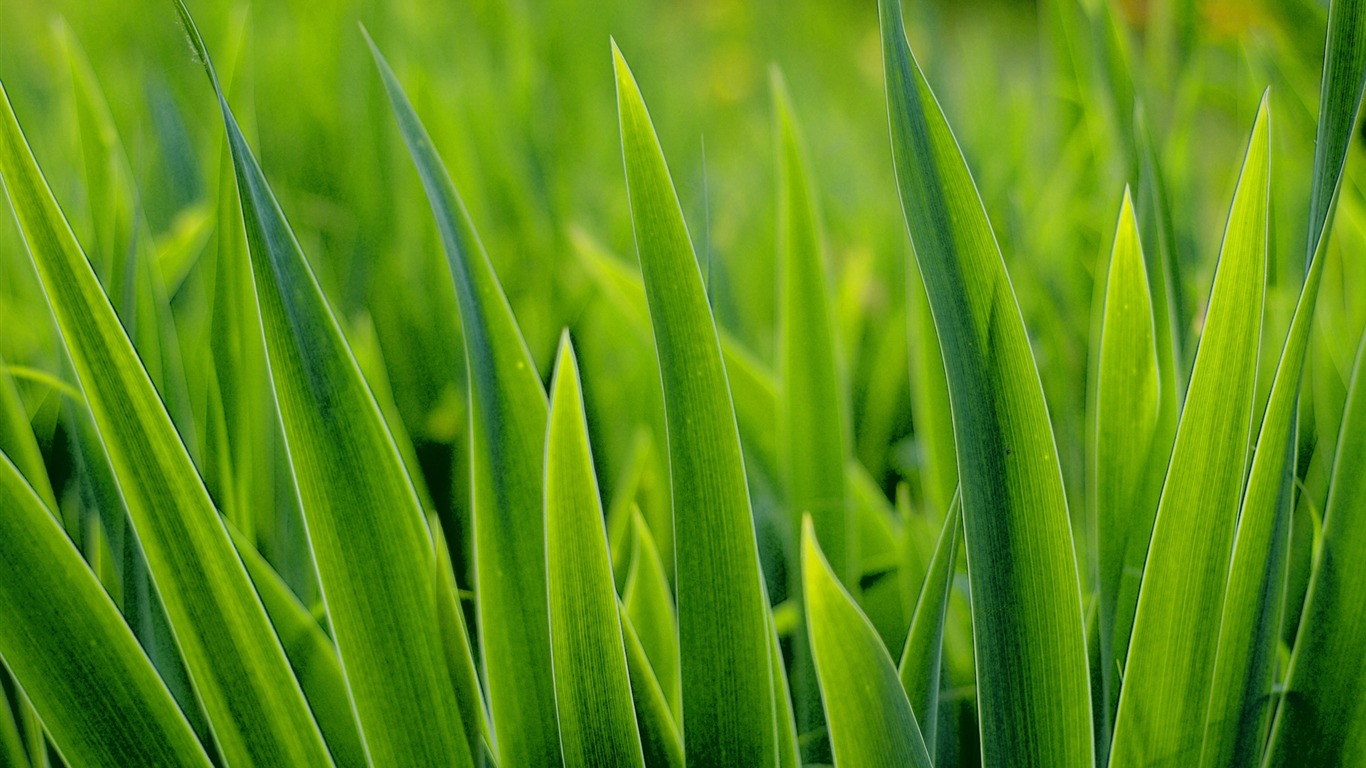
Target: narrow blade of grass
{"x":660,"y":737}
{"x":650,"y":605}
{"x":1035,"y":707}
{"x":869,"y":717}
{"x":18,"y":441}
{"x":311,"y":654}
{"x":240,"y":673}
{"x":592,"y":686}
{"x":1129,"y":401}
{"x":922,"y":657}
{"x":455,"y":639}
{"x":1322,"y":720}
{"x":71,"y":652}
{"x":366,"y":529}
{"x":1167,"y":678}
{"x":723,"y":631}
{"x":508,"y":414}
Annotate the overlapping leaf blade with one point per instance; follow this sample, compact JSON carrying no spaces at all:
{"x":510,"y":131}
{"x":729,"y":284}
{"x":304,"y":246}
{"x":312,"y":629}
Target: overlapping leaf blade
{"x":508,"y":415}
{"x":868,"y":715}
{"x":240,"y":673}
{"x":723,"y":630}
{"x":921,"y":663}
{"x":1035,"y":706}
{"x":650,"y":604}
{"x":592,"y":686}
{"x":1167,"y":679}
{"x":70,"y":650}
{"x":369,"y":539}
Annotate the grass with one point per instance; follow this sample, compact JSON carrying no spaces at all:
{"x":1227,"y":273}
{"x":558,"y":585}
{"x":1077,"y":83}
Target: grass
{"x":687,"y":452}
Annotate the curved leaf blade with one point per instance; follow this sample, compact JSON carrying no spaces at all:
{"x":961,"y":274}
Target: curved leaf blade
{"x":1035,"y":707}
{"x":366,"y":528}
{"x":239,"y":671}
{"x":869,"y":717}
{"x":649,"y":603}
{"x":508,"y":415}
{"x":63,"y":639}
{"x":922,"y":657}
{"x":1167,"y":678}
{"x":728,"y":714}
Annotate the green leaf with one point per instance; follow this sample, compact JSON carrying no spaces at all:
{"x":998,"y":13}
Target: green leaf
{"x":366,"y":528}
{"x":649,"y":602}
{"x":311,"y":654}
{"x":18,"y":441}
{"x":659,"y":734}
{"x":1322,"y":720}
{"x":460,"y":663}
{"x":869,"y":717}
{"x":811,"y":427}
{"x":723,"y":629}
{"x":70,"y":651}
{"x":592,"y":685}
{"x":508,"y":425}
{"x":1035,"y":707}
{"x":1167,"y":677}
{"x":1341,"y":91}
{"x":1129,"y":403}
{"x":240,"y":673}
{"x":922,"y":657}
{"x":930,"y":410}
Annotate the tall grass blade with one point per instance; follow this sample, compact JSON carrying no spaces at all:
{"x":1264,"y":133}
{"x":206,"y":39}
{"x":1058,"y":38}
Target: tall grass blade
{"x":71,"y":652}
{"x":1171,"y":657}
{"x":508,"y":424}
{"x":869,"y":717}
{"x":1322,"y":720}
{"x":921,"y":663}
{"x":240,"y":673}
{"x":19,"y":443}
{"x":366,"y":528}
{"x":649,"y":602}
{"x":659,"y":734}
{"x":592,"y":686}
{"x":728,"y":714}
{"x":1035,"y":707}
{"x":312,"y":655}
{"x":1128,"y":474}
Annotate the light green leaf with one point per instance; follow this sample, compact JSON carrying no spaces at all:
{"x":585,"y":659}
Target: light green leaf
{"x":869,"y":717}
{"x":508,"y":424}
{"x":18,"y":441}
{"x":1035,"y":707}
{"x":311,"y":654}
{"x":369,"y":538}
{"x":649,"y":602}
{"x":240,"y":673}
{"x":1167,"y":678}
{"x":1322,"y":717}
{"x":592,"y":686}
{"x":659,"y":733}
{"x":811,"y":427}
{"x":922,"y":657}
{"x":70,"y":651}
{"x":728,"y":714}
{"x":1129,"y":403}
{"x":455,"y":639}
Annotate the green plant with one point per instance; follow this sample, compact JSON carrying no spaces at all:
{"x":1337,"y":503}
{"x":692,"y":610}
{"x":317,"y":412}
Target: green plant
{"x":259,"y":507}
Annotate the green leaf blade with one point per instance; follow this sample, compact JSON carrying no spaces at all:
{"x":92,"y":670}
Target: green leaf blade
{"x":592,"y":686}
{"x":1168,"y":675}
{"x":69,"y":649}
{"x":869,"y":717}
{"x":921,"y":664}
{"x":369,"y":539}
{"x":254,"y":704}
{"x":728,"y":716}
{"x":1035,"y":708}
{"x":508,"y":416}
